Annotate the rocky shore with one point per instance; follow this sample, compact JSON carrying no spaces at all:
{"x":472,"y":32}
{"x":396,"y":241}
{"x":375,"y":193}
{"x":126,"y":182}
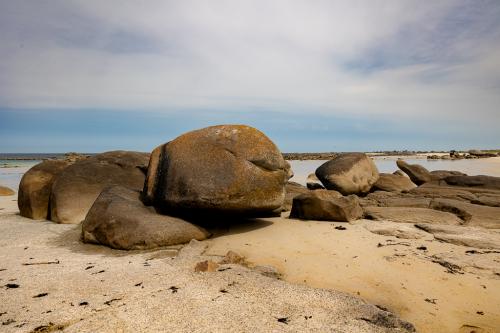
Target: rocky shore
{"x":226,"y":188}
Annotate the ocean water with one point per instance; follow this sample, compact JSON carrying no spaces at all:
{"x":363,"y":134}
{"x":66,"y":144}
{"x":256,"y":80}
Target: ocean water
{"x":11,"y":172}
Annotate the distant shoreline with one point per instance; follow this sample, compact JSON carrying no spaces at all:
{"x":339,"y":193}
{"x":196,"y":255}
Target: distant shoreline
{"x":287,"y":156}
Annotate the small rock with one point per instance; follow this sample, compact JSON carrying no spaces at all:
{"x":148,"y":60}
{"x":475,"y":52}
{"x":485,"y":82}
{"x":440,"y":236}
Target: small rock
{"x":206,"y":266}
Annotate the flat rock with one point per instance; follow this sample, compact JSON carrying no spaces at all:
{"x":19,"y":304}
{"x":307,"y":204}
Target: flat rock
{"x":417,"y":173}
{"x":465,"y":236}
{"x":349,"y":173}
{"x":414,"y":202}
{"x":5,"y":191}
{"x":486,"y":182}
{"x":441,"y":174}
{"x":119,"y":219}
{"x":479,"y":263}
{"x":226,"y":169}
{"x":76,"y":188}
{"x":443,"y":192}
{"x":471,"y":214}
{"x":399,"y":230}
{"x":489,"y":199}
{"x":325,"y":205}
{"x":410,"y":215}
{"x":35,"y":189}
{"x":393,"y":183}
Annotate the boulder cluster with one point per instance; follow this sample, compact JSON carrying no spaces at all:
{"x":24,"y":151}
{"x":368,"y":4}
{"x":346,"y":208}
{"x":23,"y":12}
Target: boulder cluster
{"x":132,"y":200}
{"x":349,"y":187}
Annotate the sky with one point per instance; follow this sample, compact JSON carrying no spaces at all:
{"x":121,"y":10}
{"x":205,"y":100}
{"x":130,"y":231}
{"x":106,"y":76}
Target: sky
{"x":95,"y":75}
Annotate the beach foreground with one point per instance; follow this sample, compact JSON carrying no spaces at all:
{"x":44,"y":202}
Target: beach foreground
{"x":52,"y":282}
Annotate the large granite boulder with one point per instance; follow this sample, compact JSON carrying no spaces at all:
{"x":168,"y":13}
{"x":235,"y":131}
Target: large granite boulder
{"x":349,"y":173}
{"x":393,"y":183}
{"x":417,"y":173}
{"x":120,"y":220}
{"x":35,"y":188}
{"x":325,"y":205}
{"x":226,"y":169}
{"x":482,"y":182}
{"x":5,"y":191}
{"x":76,"y":188}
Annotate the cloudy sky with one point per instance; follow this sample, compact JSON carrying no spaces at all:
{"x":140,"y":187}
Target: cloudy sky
{"x":96,"y":75}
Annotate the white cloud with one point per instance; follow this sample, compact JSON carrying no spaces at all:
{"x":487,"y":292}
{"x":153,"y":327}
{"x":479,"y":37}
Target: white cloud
{"x":387,"y":58}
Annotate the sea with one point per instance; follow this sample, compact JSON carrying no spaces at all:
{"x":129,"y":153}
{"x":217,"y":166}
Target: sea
{"x":13,"y":166}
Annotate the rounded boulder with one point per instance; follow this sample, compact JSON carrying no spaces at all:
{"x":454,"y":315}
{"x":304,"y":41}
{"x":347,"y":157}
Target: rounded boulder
{"x":225,"y":169}
{"x":78,"y":186}
{"x":348,"y":173}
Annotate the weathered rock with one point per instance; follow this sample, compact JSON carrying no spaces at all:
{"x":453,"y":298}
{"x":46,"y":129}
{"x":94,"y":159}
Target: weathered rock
{"x":471,"y":214}
{"x":482,"y":263}
{"x":441,"y":174}
{"x":479,"y":153}
{"x":349,"y":173}
{"x":392,"y":183}
{"x":399,"y":230}
{"x":234,"y":258}
{"x":325,"y":205}
{"x":400,"y":173}
{"x":76,"y":188}
{"x":313,"y":183}
{"x":485,"y":182}
{"x":410,"y":215}
{"x":442,"y":192}
{"x":417,"y":173}
{"x":5,"y":191}
{"x":492,"y":200}
{"x":120,"y":220}
{"x":405,"y":202}
{"x":462,"y":235}
{"x":292,"y":189}
{"x":35,"y":188}
{"x":226,"y":169}
{"x":206,"y":266}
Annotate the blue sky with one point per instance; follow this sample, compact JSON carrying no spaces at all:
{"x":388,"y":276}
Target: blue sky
{"x":313,"y":75}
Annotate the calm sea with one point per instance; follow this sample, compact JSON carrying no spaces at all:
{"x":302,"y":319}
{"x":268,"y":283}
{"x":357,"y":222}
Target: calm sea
{"x":11,"y":171}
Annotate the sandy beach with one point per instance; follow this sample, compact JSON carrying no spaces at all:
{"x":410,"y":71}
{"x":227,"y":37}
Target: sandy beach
{"x":51,"y":282}
{"x":93,"y":288}
{"x":401,"y":277}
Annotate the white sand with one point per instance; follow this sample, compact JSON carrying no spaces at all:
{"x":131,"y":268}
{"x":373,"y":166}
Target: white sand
{"x":92,"y":288}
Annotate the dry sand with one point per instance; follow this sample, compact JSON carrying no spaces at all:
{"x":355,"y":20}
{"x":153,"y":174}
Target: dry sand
{"x":64,"y":285}
{"x":398,"y":277}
